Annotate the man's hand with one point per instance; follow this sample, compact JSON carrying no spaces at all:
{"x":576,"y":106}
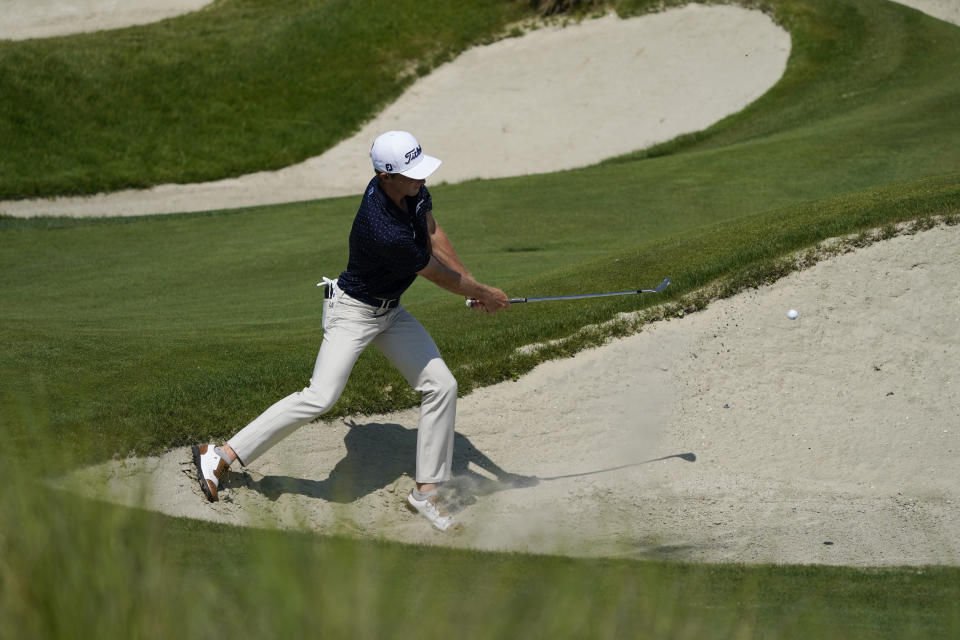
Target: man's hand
{"x":491,"y":300}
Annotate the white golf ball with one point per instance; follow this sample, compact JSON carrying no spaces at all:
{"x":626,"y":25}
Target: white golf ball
{"x":792,"y":314}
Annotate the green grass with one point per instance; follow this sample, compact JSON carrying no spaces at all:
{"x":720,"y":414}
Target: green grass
{"x":143,"y":335}
{"x":140,"y":334}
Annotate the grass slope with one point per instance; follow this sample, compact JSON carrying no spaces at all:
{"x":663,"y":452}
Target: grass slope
{"x":239,"y":86}
{"x":169,"y":330}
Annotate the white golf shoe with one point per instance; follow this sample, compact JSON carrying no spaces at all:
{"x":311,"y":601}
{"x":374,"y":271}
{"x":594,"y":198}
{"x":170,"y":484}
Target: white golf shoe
{"x":211,"y":469}
{"x":432,"y":509}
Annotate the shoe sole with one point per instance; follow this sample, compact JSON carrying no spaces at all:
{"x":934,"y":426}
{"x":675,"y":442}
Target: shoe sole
{"x":203,"y":481}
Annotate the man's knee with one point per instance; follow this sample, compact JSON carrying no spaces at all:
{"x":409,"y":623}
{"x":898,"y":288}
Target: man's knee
{"x":318,"y":400}
{"x":440,"y":381}
{"x":449,"y":384}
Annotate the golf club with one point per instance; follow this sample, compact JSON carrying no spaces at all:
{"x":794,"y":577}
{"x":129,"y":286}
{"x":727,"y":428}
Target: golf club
{"x":660,"y":287}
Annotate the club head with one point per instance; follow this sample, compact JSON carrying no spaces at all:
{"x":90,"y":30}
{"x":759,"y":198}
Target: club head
{"x":660,"y":287}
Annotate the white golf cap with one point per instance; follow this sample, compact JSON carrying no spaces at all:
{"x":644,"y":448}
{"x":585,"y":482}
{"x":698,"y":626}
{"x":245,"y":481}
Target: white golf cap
{"x":399,"y":152}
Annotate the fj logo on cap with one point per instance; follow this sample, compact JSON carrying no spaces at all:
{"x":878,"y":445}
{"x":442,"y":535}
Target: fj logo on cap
{"x":412,"y":154}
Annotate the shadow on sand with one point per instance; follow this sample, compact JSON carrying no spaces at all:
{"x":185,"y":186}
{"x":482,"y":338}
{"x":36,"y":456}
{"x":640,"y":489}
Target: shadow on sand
{"x":379,"y":454}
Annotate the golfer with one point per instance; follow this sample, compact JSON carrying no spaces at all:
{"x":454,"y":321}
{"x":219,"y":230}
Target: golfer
{"x":393,"y":240}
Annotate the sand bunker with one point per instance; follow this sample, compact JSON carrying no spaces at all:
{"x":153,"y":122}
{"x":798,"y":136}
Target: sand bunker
{"x":636,"y":82}
{"x":24,"y":19}
{"x":946,"y":10}
{"x":734,"y":434}
{"x":556,"y":98}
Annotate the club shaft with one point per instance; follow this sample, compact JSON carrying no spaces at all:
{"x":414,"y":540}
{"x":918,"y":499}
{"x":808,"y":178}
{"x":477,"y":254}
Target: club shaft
{"x":580,"y":296}
{"x":658,"y":289}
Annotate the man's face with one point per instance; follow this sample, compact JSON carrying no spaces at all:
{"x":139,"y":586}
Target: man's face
{"x":402,"y":185}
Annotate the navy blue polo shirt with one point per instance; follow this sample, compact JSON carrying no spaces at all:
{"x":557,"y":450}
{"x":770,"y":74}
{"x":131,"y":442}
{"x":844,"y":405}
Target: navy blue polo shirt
{"x":388,"y":245}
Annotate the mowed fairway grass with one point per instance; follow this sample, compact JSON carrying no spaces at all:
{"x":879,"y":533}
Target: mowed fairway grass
{"x":141,"y":334}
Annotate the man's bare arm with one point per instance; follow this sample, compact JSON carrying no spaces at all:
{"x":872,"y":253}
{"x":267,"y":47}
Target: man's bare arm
{"x":448,"y":271}
{"x":490,"y":299}
{"x":442,"y":248}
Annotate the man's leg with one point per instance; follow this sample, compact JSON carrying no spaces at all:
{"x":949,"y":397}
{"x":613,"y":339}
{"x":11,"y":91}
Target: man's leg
{"x":351,"y":328}
{"x":411,"y":350}
{"x":338,"y":353}
{"x":408,"y":346}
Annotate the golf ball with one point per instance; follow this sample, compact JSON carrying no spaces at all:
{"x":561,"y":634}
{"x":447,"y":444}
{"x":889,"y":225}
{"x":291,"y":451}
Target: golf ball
{"x":792,"y":314}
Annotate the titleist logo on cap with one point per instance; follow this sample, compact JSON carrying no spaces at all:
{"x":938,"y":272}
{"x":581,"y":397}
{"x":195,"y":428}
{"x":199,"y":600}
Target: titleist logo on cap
{"x":413,"y":153}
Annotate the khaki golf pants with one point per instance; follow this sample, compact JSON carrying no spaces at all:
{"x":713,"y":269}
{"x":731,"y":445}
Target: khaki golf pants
{"x":350,"y":326}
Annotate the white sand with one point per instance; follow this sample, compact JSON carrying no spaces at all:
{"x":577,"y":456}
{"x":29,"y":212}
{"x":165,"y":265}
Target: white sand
{"x":556,"y":98}
{"x":840,"y":427}
{"x":946,"y":10}
{"x":830,"y":439}
{"x":25,"y":19}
